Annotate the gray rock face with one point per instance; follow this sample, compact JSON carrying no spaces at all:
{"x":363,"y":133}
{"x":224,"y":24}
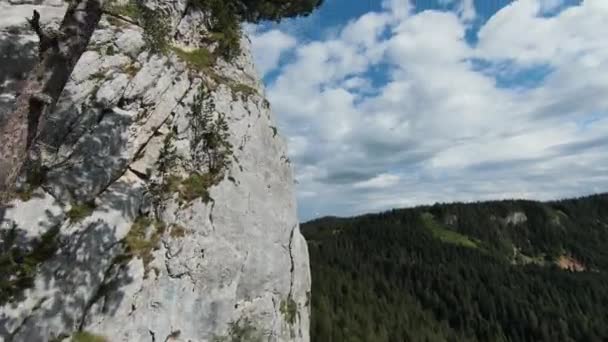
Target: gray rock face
{"x":516,"y":218}
{"x":130,"y":258}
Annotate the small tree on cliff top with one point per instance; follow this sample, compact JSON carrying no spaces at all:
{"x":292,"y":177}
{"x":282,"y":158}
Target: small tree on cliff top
{"x":60,"y":51}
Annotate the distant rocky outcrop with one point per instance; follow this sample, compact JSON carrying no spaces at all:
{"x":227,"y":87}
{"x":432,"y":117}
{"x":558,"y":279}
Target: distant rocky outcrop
{"x":160,"y":205}
{"x":515,"y":218}
{"x":569,"y":263}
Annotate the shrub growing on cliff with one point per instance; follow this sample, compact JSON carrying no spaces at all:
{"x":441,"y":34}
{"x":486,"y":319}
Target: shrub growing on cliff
{"x":210,"y":149}
{"x":223,"y":24}
{"x":156,"y":28}
{"x":275,"y":10}
{"x":226,"y":15}
{"x":210,"y":133}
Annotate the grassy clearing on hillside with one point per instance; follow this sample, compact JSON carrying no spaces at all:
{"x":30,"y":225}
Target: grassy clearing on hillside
{"x":446,"y":235}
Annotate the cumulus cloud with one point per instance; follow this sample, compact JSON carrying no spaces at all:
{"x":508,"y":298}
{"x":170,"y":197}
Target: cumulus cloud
{"x":269,"y":47}
{"x":395,"y":110}
{"x":381,"y":181}
{"x":466,"y":8}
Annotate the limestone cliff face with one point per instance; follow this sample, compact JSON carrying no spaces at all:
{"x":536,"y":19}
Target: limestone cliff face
{"x":121,"y":230}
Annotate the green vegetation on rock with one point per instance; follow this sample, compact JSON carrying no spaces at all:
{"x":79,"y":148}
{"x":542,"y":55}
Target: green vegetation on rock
{"x":223,"y":23}
{"x":129,"y":8}
{"x":98,"y":76}
{"x":274,"y":10}
{"x":211,"y":134}
{"x":199,"y":59}
{"x":35,"y":177}
{"x":274,"y":131}
{"x":177,"y":231}
{"x":110,"y":50}
{"x":289,"y":309}
{"x":130,"y":69}
{"x":188,"y":189}
{"x":19,"y":264}
{"x":80,"y":211}
{"x":226,"y":15}
{"x":168,"y":157}
{"x":155,"y":25}
{"x":196,"y":186}
{"x":143,"y":239}
{"x":244,"y":90}
{"x":83,"y":336}
{"x":241,"y":331}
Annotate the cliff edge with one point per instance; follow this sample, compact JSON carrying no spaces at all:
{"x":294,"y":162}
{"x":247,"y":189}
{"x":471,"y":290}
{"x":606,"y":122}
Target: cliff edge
{"x":159,"y":205}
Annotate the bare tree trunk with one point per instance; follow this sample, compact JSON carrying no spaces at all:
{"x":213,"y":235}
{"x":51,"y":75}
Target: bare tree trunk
{"x":59,"y":53}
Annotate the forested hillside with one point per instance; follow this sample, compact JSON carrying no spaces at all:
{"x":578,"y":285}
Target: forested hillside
{"x":494,"y":271}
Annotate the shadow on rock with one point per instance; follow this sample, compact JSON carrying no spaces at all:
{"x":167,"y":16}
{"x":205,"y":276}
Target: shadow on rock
{"x":51,"y":282}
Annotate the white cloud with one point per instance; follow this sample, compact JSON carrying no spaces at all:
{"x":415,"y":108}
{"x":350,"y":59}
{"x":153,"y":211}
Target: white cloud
{"x":467,"y":12}
{"x":517,"y":32}
{"x":269,"y":46}
{"x":365,"y":30}
{"x":381,"y":181}
{"x":357,"y":83}
{"x":398,"y":9}
{"x":439,"y":128}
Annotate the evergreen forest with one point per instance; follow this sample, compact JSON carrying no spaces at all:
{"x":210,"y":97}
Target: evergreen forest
{"x":495,"y":271}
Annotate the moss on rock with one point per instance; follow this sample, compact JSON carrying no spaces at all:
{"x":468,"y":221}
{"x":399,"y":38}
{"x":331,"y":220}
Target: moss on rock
{"x":80,"y":211}
{"x":83,"y":336}
{"x":289,"y":309}
{"x":143,"y":239}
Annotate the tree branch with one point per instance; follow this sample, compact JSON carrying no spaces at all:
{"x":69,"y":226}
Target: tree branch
{"x":45,"y":39}
{"x":121,"y":17}
{"x":35,"y":24}
{"x":60,"y":50}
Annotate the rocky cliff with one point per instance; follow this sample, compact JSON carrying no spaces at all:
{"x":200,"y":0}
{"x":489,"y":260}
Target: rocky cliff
{"x":159,"y":204}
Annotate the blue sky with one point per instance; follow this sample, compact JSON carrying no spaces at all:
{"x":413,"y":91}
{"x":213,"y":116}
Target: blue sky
{"x":393,"y":103}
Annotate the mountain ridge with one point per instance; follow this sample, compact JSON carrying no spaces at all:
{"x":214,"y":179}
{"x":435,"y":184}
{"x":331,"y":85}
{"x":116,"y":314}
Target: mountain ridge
{"x":313,"y":220}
